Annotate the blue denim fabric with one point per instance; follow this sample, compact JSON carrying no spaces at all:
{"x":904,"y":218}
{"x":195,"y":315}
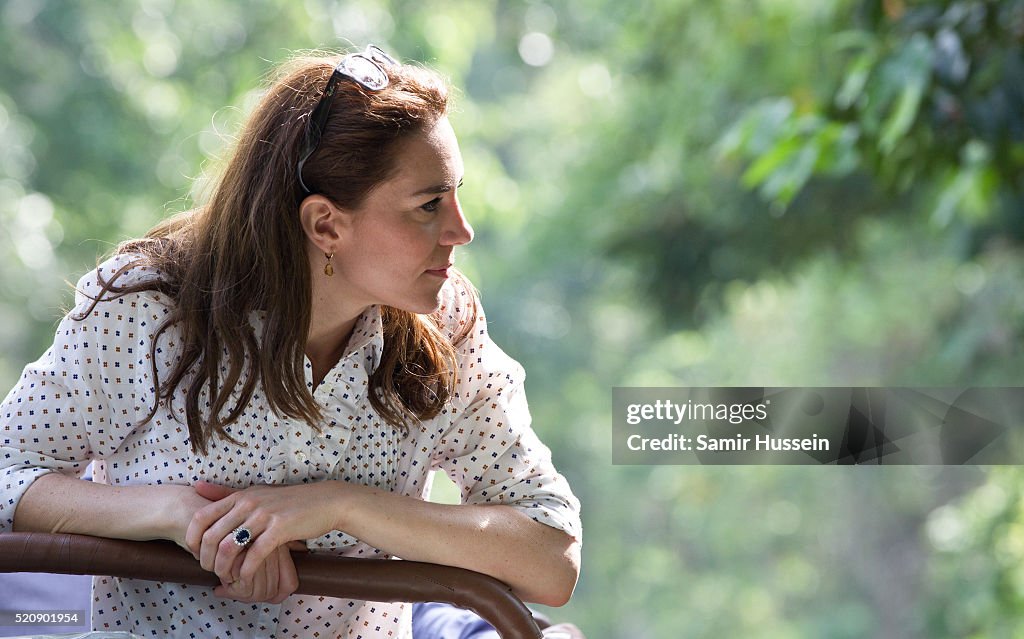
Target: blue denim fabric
{"x":443,"y":621}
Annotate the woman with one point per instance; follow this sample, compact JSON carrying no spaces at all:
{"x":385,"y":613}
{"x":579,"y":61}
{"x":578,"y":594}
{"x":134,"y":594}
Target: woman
{"x":283,"y":368}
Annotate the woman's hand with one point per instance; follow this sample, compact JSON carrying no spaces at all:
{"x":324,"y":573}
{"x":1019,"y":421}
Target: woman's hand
{"x":273,"y":582}
{"x":278,"y":517}
{"x":186,"y":503}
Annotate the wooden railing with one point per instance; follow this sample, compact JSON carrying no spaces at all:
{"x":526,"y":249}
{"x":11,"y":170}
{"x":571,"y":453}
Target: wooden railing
{"x":364,"y":579}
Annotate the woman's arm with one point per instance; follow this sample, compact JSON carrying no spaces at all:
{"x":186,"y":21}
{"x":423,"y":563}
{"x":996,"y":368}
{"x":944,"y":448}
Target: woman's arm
{"x":539,"y":562}
{"x":81,"y":400}
{"x":55,"y":503}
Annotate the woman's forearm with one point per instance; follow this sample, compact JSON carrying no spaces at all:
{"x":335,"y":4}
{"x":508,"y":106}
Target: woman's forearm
{"x":539,"y":562}
{"x":56,"y":503}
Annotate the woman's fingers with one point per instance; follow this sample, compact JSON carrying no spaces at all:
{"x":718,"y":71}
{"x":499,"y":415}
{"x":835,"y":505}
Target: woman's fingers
{"x":262,"y":584}
{"x":201,"y":522}
{"x":259,"y":552}
{"x":288,"y":579}
{"x":230,"y":552}
{"x":272,"y":574}
{"x":213,"y":492}
{"x":256,"y":588}
{"x":273,"y":582}
{"x":233,"y":590}
{"x":253,"y":568}
{"x":205,"y":517}
{"x":218,"y":548}
{"x":262,"y":567}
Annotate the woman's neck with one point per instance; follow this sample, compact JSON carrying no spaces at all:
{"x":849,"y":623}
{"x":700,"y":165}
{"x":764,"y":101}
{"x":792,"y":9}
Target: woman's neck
{"x":324,"y":347}
{"x":329,"y":331}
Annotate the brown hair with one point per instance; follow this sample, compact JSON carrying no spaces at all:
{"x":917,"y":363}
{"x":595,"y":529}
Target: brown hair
{"x":245,"y":250}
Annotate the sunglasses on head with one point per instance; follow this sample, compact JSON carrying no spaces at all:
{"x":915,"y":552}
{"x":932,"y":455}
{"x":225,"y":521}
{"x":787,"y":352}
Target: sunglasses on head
{"x":368,"y":69}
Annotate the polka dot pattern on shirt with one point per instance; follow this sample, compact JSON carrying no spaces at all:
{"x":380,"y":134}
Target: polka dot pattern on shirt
{"x":84,"y":399}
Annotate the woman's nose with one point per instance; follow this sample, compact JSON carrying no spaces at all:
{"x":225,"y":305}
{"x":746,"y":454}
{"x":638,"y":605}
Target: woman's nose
{"x":458,"y":231}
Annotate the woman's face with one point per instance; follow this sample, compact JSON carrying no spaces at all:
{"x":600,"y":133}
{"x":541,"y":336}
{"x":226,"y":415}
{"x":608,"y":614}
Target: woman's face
{"x":398,"y":247}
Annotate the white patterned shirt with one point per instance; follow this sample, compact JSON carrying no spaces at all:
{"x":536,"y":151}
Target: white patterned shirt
{"x":84,"y":398}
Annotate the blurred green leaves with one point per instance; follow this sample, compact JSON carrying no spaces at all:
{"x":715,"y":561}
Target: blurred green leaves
{"x":788,"y":149}
{"x":929,"y":103}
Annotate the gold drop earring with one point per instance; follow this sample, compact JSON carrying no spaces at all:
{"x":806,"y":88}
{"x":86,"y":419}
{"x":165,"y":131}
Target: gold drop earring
{"x":329,"y":268}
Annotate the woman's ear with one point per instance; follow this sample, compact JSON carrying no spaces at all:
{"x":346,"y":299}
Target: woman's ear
{"x":323,"y":222}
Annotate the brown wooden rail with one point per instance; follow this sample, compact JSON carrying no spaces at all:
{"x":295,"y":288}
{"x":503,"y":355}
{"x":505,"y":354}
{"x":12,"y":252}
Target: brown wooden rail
{"x":365,"y":579}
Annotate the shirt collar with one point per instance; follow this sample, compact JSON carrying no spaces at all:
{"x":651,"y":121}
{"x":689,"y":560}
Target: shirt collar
{"x":368,"y":333}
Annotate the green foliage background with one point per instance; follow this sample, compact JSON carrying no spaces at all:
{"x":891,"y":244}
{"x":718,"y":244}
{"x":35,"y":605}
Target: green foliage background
{"x":665,"y":192}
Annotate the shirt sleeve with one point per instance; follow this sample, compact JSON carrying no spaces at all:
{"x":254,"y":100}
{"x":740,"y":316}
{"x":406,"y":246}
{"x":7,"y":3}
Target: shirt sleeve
{"x":80,"y":399}
{"x":490,"y":449}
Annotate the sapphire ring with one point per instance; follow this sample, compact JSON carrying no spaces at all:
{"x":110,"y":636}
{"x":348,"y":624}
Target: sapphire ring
{"x":241,"y":536}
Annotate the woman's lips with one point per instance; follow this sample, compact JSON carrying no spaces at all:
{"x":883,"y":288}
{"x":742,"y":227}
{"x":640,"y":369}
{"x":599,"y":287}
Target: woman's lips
{"x":440,"y":272}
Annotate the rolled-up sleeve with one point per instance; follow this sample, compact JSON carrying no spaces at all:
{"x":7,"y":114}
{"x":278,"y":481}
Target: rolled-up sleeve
{"x":43,"y":432}
{"x":490,"y":449}
{"x":76,"y":402}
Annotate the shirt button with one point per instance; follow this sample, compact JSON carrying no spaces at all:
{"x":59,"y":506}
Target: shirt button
{"x":301,"y":457}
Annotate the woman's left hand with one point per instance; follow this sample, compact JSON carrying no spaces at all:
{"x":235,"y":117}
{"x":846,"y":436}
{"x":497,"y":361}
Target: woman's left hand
{"x":274,"y":581}
{"x":274,"y":515}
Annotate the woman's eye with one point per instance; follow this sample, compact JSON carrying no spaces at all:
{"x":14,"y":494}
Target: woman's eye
{"x":432,"y":205}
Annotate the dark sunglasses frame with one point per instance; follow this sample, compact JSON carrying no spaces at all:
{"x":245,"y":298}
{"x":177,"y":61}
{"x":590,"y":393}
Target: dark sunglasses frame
{"x":353,"y":67}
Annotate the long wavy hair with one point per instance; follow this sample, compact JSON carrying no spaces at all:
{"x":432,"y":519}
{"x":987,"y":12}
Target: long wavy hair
{"x":245,"y":250}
